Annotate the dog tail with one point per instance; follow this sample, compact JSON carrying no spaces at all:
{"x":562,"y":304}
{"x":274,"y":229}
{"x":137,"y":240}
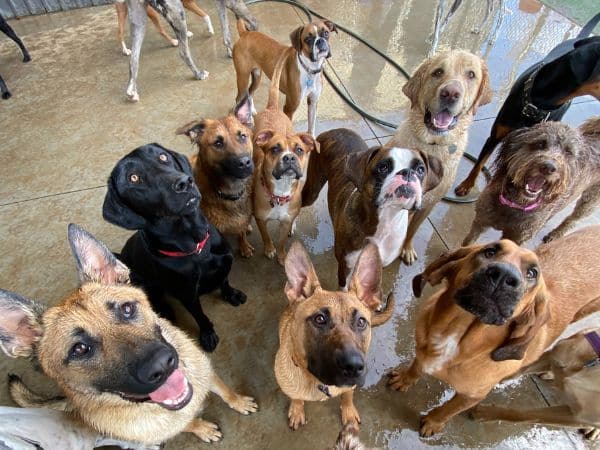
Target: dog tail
{"x":241,"y":27}
{"x":26,"y":398}
{"x":382,"y":317}
{"x":273,"y":101}
{"x":589,"y":27}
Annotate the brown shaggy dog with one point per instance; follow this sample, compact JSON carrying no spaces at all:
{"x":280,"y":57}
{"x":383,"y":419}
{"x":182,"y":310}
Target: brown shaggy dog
{"x":538,"y":172}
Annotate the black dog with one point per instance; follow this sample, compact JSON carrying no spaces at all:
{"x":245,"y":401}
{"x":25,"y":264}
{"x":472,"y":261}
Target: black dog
{"x":6,"y":29}
{"x":176,"y":250}
{"x":544,"y":92}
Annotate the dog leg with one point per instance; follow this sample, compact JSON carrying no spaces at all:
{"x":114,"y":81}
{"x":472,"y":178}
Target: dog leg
{"x":246,"y":249}
{"x":7,"y":29}
{"x":552,"y":415}
{"x":4,"y":89}
{"x":477,"y":228}
{"x":137,"y":24}
{"x":290,"y":106}
{"x":187,"y":294}
{"x":349,"y":412}
{"x":241,"y":11}
{"x":121,"y":19}
{"x":296,"y":416}
{"x":269,"y":247}
{"x":585,"y":206}
{"x":191,"y":5}
{"x":26,"y":398}
{"x":155,"y":18}
{"x":436,"y":419}
{"x":467,"y":184}
{"x":312,"y":101}
{"x":240,"y":403}
{"x":225,"y":26}
{"x":285,"y":228}
{"x":402,"y":379}
{"x":408,"y":253}
{"x":206,"y":431}
{"x":232,"y":295}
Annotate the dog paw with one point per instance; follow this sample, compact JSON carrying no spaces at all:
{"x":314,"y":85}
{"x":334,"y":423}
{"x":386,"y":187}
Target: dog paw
{"x":350,"y":416}
{"x":209,"y":341}
{"x":429,"y":427}
{"x":408,"y":255}
{"x":26,"y":58}
{"x":6,"y":95}
{"x":400,"y":380}
{"x":126,"y":51}
{"x":133,"y":96}
{"x":207,"y":431}
{"x":229,"y":51}
{"x":244,"y":405}
{"x":174,"y":42}
{"x":201,"y":75}
{"x":189,"y":34}
{"x":296,"y":417}
{"x":462,"y":189}
{"x":246,"y":250}
{"x":235,"y":297}
{"x":281,"y":258}
{"x":270,"y":251}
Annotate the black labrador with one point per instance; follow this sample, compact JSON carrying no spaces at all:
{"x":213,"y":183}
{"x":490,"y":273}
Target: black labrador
{"x":7,"y":29}
{"x":544,"y":92}
{"x":175,"y":251}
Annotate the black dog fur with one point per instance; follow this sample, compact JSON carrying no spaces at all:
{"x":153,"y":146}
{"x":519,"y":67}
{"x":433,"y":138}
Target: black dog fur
{"x":152,"y":190}
{"x":6,"y":29}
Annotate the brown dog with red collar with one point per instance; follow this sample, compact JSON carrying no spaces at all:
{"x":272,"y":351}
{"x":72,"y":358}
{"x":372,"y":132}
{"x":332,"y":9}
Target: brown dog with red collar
{"x":255,"y":52}
{"x":281,"y":159}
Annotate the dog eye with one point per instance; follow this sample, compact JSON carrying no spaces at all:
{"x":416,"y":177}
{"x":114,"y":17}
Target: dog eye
{"x":382,"y":169}
{"x":128,"y":310}
{"x":539,"y":145}
{"x":320,"y":319}
{"x":325,"y":34}
{"x":471,"y":74}
{"x":361,"y":323}
{"x":438,"y":73}
{"x":308,"y":39}
{"x":163,"y":157}
{"x":219,"y":142}
{"x":532,"y":273}
{"x":243,"y":137}
{"x":490,"y":252}
{"x":276,"y":149}
{"x":298,"y":150}
{"x":79,"y":350}
{"x":421,"y":170}
{"x":134,"y":178}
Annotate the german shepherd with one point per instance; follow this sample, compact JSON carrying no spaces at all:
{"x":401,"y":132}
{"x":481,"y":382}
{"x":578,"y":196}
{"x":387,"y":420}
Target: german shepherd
{"x":124,"y":371}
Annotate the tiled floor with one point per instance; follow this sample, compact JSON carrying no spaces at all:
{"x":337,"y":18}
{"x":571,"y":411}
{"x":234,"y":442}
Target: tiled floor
{"x":68,"y":124}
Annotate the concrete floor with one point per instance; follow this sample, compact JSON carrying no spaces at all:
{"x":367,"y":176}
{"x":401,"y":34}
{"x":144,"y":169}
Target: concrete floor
{"x":68,"y":123}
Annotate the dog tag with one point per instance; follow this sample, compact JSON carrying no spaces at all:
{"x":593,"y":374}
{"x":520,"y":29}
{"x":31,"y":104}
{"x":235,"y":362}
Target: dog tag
{"x":309,"y":82}
{"x":451,"y":148}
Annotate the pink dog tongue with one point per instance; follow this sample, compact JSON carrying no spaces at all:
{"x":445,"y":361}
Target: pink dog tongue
{"x":442,"y":119}
{"x":171,"y":389}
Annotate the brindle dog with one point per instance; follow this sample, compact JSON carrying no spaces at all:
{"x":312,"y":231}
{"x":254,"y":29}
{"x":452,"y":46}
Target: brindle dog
{"x":125,"y":372}
{"x":223,"y":169}
{"x":324,"y":335}
{"x":538,"y":172}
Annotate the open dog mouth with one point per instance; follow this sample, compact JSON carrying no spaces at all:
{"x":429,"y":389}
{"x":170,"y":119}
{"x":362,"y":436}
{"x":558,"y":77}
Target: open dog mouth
{"x":534,"y":186}
{"x":174,"y":394}
{"x":402,"y":193}
{"x":289,"y":171}
{"x":440,"y":122}
{"x":527,"y":197}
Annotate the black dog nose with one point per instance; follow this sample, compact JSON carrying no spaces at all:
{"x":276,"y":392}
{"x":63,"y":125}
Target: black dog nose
{"x":500,"y":275}
{"x":548,"y":167}
{"x":244,"y":162}
{"x":183,"y":184}
{"x":450,"y":93}
{"x":351,"y":363}
{"x":321,"y":44}
{"x":157,"y":362}
{"x":408,"y":174}
{"x":288,"y":158}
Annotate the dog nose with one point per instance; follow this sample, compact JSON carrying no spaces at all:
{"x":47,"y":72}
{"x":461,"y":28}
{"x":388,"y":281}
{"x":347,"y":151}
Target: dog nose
{"x":244,"y":162}
{"x":157,"y":363}
{"x":183,"y":184}
{"x":548,"y":167}
{"x":408,"y":174}
{"x":450,"y":93}
{"x":351,"y":363}
{"x":289,"y":158}
{"x":500,"y":275}
{"x":322,"y":44}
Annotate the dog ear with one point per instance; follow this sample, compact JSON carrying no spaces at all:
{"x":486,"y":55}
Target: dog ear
{"x":412,"y":88}
{"x":329,"y":24}
{"x":263,"y":137}
{"x":356,"y":166}
{"x":243,"y":110}
{"x":193,"y":129}
{"x":302,"y":280}
{"x":524,"y":328}
{"x":116,"y":212}
{"x":296,"y":38}
{"x":441,"y":268}
{"x":310,"y":142}
{"x":366,"y":277}
{"x":435,"y":171}
{"x":182,"y":161}
{"x":484,"y":94}
{"x":94,"y":261}
{"x":20,"y":325}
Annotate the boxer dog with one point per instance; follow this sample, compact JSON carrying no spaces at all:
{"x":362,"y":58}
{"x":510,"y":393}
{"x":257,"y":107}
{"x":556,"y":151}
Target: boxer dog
{"x":370,"y":193}
{"x":281,"y":158}
{"x":255,"y":52}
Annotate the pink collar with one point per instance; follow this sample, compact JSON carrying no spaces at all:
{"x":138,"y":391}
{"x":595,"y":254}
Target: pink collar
{"x":511,"y":204}
{"x":199,"y":246}
{"x":275,"y":199}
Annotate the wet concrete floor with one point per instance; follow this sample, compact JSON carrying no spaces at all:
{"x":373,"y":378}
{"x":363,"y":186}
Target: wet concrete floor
{"x":68,"y":123}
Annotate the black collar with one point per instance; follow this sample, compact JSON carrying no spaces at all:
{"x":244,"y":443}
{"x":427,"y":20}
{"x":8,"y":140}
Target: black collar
{"x":233,"y":197}
{"x":309,"y":70}
{"x":532,"y":111}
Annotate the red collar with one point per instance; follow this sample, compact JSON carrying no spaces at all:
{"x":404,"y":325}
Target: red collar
{"x":514,"y":205}
{"x":199,"y":246}
{"x":275,"y":199}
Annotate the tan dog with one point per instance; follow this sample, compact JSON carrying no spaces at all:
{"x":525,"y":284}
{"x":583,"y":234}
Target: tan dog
{"x":574,"y":365}
{"x":281,"y":159}
{"x":369,"y":194}
{"x":223,"y":169}
{"x":444,"y":92}
{"x":502,"y":306}
{"x":255,"y":52}
{"x":124,"y":371}
{"x":324,"y":335}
